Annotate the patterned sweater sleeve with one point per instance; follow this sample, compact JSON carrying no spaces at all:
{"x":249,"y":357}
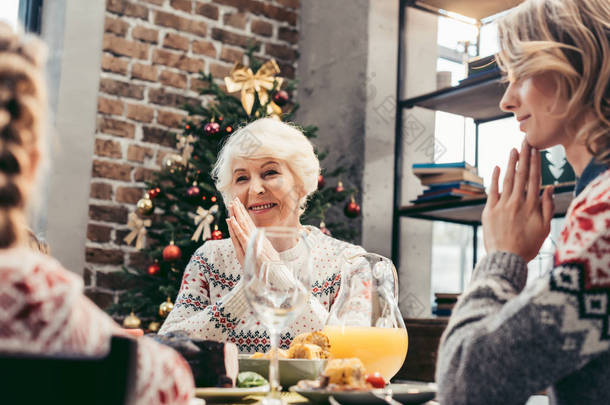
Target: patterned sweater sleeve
{"x":505,"y":343}
{"x":51,"y":315}
{"x":194,"y":313}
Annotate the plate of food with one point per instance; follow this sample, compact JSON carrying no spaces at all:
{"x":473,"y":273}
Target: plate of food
{"x":247,"y":383}
{"x":346,"y":380}
{"x":305,"y":359}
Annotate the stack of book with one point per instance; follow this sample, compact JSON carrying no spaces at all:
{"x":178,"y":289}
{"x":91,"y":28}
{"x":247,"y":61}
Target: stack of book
{"x":445,"y":303}
{"x":448,"y":182}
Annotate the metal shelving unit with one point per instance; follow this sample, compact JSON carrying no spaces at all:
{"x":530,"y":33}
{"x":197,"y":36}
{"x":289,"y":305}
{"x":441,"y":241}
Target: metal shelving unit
{"x":477,"y":99}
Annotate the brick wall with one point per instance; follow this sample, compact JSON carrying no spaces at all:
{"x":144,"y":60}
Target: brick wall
{"x":152,"y":51}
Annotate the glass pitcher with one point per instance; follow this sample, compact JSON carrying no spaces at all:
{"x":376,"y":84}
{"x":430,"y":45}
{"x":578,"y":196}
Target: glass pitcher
{"x":365,"y":321}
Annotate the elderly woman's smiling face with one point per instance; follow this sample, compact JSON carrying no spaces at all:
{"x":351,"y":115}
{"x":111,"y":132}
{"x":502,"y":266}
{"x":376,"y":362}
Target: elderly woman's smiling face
{"x":268,"y":190}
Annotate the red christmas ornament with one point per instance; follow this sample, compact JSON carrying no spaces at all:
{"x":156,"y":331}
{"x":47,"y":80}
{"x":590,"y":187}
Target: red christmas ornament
{"x":171,"y":252}
{"x":352,"y":210}
{"x":193,"y":192}
{"x":216,"y":233}
{"x":211,"y":128}
{"x":321,"y":182}
{"x":154,"y":269}
{"x":340,"y":188}
{"x":153,"y":192}
{"x":324,"y":229}
{"x":281,"y":98}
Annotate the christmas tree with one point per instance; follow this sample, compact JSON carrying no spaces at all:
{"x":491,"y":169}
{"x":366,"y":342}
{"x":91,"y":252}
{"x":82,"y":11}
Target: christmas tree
{"x":181,"y":207}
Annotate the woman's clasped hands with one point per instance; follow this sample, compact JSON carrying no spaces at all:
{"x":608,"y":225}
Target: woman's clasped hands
{"x":241,"y":228}
{"x":518,"y":220}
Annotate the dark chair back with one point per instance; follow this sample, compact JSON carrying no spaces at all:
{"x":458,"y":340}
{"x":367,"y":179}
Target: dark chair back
{"x":66,"y":380}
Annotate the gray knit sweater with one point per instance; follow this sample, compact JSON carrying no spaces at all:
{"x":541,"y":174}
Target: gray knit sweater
{"x":505,"y":342}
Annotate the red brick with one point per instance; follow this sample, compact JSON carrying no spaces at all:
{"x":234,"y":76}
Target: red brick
{"x":136,"y":153}
{"x":125,"y":47}
{"x":166,"y":98}
{"x":159,"y":136}
{"x":279,"y":14}
{"x":98,"y":233}
{"x":101,"y":191}
{"x":198,"y":85}
{"x":103,"y":256}
{"x":127,"y":8}
{"x":102,"y":299}
{"x":182,"y":5}
{"x":108,"y":148}
{"x":255,"y":7}
{"x":108,"y":213}
{"x":122,"y":89}
{"x":116,"y":26}
{"x":170,"y":119}
{"x":287,"y":70}
{"x":175,"y":41}
{"x":112,"y":64}
{"x":110,"y":170}
{"x":289,"y":3}
{"x":289,"y":35}
{"x":177,"y":60}
{"x":283,"y":52}
{"x":115,"y":127}
{"x":181,"y":23}
{"x":231,"y":38}
{"x":145,"y":34}
{"x":237,"y":20}
{"x":218,"y":70}
{"x":231,"y":55}
{"x":144,"y":174}
{"x":130,"y":195}
{"x":261,"y":27}
{"x":109,"y":106}
{"x":207,"y":10}
{"x":204,"y":48}
{"x":138,"y":260}
{"x":115,"y":280}
{"x":156,"y":2}
{"x":87,"y":277}
{"x":144,"y":72}
{"x":140,"y":113}
{"x":172,"y":79}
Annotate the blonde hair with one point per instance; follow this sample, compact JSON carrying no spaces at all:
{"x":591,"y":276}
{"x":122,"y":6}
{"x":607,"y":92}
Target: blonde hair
{"x":569,"y":38}
{"x":22,"y":108}
{"x":269,"y":138}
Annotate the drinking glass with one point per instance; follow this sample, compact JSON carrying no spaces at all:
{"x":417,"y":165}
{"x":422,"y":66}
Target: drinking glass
{"x":365,"y":321}
{"x":277,"y":276}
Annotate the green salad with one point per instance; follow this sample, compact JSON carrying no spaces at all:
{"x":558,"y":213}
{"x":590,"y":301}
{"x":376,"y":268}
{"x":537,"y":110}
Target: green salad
{"x":249,"y":379}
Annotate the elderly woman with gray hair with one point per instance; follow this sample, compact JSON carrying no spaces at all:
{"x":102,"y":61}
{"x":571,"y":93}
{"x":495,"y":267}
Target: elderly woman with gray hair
{"x":265,"y":172}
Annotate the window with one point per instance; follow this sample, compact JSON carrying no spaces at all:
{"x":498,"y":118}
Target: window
{"x":25,"y":13}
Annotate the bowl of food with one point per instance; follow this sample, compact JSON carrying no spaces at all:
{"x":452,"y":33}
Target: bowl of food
{"x":305,"y":359}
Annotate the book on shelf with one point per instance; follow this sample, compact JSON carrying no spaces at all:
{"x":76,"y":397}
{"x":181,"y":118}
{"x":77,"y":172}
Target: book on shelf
{"x":463,"y":185}
{"x":428,"y":169}
{"x":461,"y":175}
{"x":450,"y":196}
{"x":439,"y":191}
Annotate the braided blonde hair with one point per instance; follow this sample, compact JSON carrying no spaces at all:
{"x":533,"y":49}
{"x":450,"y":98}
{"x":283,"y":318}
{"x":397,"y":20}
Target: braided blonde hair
{"x":570,"y":38}
{"x":22,"y":109}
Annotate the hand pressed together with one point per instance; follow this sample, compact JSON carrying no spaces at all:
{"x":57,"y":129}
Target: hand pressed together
{"x":519,"y":219}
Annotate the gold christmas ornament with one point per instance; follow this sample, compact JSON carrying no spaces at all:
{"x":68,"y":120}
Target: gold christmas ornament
{"x":145,"y":206}
{"x":165,"y":308}
{"x":131,"y":321}
{"x":138,"y":230}
{"x":172,"y":162}
{"x":261,"y":82}
{"x":154,"y":327}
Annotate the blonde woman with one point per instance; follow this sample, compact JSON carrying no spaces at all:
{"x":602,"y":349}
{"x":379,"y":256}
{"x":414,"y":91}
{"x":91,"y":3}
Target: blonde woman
{"x":505,"y":342}
{"x":46,"y":311}
{"x":265,"y":172}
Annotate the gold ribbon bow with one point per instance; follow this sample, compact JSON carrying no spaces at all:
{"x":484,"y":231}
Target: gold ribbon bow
{"x":242,"y":78}
{"x":186,"y":144}
{"x":138,"y":230}
{"x":204,"y":219}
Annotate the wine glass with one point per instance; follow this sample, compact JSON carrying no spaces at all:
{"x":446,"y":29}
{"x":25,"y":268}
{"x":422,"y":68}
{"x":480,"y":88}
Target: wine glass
{"x":365,"y":321}
{"x":277,"y":276}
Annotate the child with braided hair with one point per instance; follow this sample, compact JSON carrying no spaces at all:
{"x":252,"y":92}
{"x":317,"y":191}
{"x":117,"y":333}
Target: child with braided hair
{"x":48,"y":313}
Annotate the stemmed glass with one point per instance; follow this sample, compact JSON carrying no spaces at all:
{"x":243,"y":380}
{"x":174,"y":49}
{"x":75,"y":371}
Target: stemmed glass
{"x":277,"y":280}
{"x":365,"y":321}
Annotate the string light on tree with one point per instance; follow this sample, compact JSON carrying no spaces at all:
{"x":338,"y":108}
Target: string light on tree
{"x":154,"y":192}
{"x":340,"y":188}
{"x":321,"y":182}
{"x":154,"y":269}
{"x":324,"y":229}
